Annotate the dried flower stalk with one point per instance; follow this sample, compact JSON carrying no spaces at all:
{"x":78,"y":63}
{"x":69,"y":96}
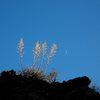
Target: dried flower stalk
{"x":51,"y":53}
{"x":44,"y":47}
{"x":36,"y":52}
{"x":20,"y":49}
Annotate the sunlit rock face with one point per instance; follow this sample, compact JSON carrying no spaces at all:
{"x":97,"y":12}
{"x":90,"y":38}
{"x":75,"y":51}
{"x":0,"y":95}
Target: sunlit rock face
{"x":18,"y":87}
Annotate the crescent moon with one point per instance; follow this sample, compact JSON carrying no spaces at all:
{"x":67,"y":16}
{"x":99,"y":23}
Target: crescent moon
{"x":66,"y":52}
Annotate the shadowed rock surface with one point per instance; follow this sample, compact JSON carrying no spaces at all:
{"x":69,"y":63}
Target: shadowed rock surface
{"x":17,"y":87}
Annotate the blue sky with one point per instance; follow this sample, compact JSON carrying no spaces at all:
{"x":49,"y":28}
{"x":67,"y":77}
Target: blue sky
{"x":74,"y":25}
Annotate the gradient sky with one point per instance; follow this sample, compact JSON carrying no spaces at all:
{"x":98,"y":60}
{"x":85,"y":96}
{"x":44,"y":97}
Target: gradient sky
{"x":74,"y":25}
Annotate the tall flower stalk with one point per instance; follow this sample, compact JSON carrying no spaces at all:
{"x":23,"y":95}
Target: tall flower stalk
{"x":20,"y":50}
{"x":39,"y":52}
{"x":43,"y":51}
{"x":50,"y":54}
{"x":36,"y":53}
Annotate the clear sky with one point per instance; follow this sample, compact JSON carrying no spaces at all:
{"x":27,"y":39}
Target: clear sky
{"x":74,"y":25}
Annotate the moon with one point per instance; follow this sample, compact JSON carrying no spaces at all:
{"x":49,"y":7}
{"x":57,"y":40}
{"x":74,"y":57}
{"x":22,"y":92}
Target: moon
{"x":66,"y":52}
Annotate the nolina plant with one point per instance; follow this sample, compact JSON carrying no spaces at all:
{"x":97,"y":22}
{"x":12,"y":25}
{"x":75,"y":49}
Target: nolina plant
{"x":39,"y":53}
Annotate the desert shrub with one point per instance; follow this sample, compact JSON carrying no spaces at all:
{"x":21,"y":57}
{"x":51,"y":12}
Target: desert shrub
{"x":33,"y":73}
{"x":10,"y":73}
{"x":95,"y":88}
{"x":52,"y":76}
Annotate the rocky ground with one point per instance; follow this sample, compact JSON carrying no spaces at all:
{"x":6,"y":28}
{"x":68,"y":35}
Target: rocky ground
{"x":18,"y":87}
